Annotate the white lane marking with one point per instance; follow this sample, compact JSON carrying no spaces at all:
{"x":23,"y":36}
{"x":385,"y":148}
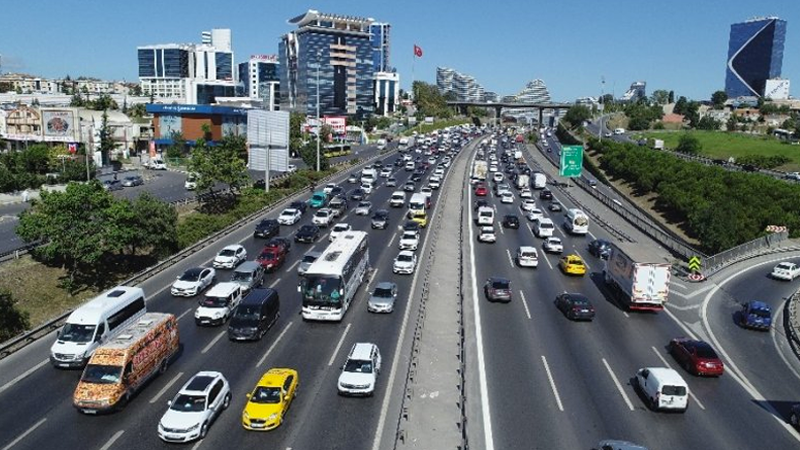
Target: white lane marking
{"x":619,"y":385}
{"x":547,"y":260}
{"x":275,"y":283}
{"x":23,"y":375}
{"x":391,"y":240}
{"x":293,"y":266}
{"x":510,"y":259}
{"x":484,"y":389}
{"x":592,"y":235}
{"x":183,"y":314}
{"x":27,"y":432}
{"x":552,"y":384}
{"x":500,"y":225}
{"x":112,"y":440}
{"x":339,"y":345}
{"x":195,"y":446}
{"x":166,"y":387}
{"x":214,"y":341}
{"x":691,"y":393}
{"x":274,"y":343}
{"x":525,"y":304}
{"x":625,"y":313}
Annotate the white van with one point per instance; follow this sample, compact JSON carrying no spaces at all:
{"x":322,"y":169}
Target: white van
{"x":95,"y":323}
{"x":218,"y":304}
{"x":419,"y":202}
{"x":619,"y":131}
{"x":410,"y":165}
{"x":381,"y":143}
{"x":485,"y":215}
{"x":398,"y":199}
{"x":368,"y":176}
{"x":543,"y":227}
{"x":663,"y":388}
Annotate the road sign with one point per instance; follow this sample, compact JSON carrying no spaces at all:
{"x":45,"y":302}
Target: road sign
{"x":694,"y":264}
{"x":571,"y":161}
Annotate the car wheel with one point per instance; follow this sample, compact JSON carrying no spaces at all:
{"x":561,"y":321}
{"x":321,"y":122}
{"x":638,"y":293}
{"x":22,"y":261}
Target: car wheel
{"x":203,"y":431}
{"x":653,"y":404}
{"x":227,"y":401}
{"x":163,"y":367}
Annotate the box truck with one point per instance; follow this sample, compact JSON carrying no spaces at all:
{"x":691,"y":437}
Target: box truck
{"x":638,"y":284}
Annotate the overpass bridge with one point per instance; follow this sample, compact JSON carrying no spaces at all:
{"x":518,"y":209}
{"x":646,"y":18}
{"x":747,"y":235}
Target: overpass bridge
{"x":461,"y":107}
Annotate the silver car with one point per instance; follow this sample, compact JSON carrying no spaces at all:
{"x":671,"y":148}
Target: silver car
{"x":382,"y":298}
{"x":306,"y":262}
{"x":364,"y":208}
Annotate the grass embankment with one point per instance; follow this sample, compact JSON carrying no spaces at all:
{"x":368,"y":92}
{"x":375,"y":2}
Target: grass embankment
{"x":425,"y":128}
{"x":723,"y":145}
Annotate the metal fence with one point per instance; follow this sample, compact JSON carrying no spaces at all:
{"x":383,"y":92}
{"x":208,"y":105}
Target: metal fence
{"x":791,"y":322}
{"x":713,"y":264}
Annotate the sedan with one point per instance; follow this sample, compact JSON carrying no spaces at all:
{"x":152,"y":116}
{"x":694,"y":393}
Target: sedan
{"x":487,"y":235}
{"x":289,"y":216}
{"x":410,"y":186}
{"x":352,"y":179}
{"x":300,"y":206}
{"x":364,"y":208}
{"x":534,"y":214}
{"x":230,"y":257}
{"x":506,"y":197}
{"x":307,"y":234}
{"x":527,"y":205}
{"x":575,"y":306}
{"x":511,"y":221}
{"x":525,"y":193}
{"x":357,"y":194}
{"x":697,"y":357}
{"x":323,"y":217}
{"x":572,"y":265}
{"x":600,"y":248}
{"x":112,"y":185}
{"x":787,"y":271}
{"x":481,"y":191}
{"x":193,"y":281}
{"x":553,"y":245}
{"x":382,"y":298}
{"x":338,"y":229}
{"x":268,"y":403}
{"x":391,"y":182}
{"x":555,"y":206}
{"x":497,"y":289}
{"x":132,"y":181}
{"x":545,"y":194}
{"x":380,"y":220}
{"x":405,"y":263}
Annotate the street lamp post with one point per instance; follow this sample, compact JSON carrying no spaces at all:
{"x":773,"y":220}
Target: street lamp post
{"x":319,"y":127}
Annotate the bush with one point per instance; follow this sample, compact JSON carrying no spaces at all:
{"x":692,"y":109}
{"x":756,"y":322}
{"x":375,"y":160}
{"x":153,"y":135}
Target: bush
{"x":12,"y":320}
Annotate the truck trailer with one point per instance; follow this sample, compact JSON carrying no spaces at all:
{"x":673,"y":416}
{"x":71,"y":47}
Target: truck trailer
{"x":635,"y":282}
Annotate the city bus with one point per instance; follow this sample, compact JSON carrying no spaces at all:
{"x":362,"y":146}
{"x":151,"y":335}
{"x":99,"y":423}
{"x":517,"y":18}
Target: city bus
{"x":576,"y":221}
{"x":330,"y":283}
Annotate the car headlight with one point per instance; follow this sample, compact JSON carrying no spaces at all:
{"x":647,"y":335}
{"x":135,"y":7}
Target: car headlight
{"x":272,"y":417}
{"x":197,"y":314}
{"x":245,"y":416}
{"x":193,"y":427}
{"x":218,"y":315}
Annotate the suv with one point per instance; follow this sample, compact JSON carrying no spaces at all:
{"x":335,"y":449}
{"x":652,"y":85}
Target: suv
{"x":380,"y":220}
{"x":272,"y":257}
{"x":360,"y":371}
{"x":196,"y":405}
{"x":267,"y":228}
{"x":322,"y":218}
{"x":409,"y":240}
{"x":218,"y":304}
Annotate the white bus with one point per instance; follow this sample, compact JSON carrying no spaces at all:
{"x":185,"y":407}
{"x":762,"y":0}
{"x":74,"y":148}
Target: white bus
{"x":330,"y":283}
{"x":576,"y":221}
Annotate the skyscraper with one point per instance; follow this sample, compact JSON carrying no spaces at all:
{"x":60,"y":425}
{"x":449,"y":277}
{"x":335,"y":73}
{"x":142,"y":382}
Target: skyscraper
{"x":258,"y":79}
{"x":341,"y":48}
{"x":755,"y":54}
{"x":379,"y":36}
{"x":533,"y":92}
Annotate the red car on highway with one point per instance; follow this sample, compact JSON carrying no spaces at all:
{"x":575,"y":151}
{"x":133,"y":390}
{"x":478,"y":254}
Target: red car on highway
{"x":697,"y":357}
{"x":480,"y":190}
{"x":272,"y":257}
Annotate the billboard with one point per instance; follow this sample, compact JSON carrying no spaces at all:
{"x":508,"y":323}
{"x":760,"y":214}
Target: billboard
{"x":268,"y":130}
{"x":338,"y":124}
{"x":169,"y":124}
{"x":264,"y":58}
{"x":58,"y":124}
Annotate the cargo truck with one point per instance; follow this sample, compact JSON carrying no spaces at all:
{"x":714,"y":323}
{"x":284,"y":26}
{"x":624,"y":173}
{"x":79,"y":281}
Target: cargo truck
{"x":479,"y":170}
{"x":539,"y":180}
{"x":523,"y":181}
{"x":636,"y":283}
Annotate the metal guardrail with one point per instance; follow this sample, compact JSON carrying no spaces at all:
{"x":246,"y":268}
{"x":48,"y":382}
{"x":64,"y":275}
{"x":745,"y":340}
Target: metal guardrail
{"x":715,"y":263}
{"x":791,"y":322}
{"x":19,"y":342}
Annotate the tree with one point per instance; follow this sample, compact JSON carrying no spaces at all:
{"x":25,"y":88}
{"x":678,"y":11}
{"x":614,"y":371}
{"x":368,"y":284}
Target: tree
{"x":688,"y":143}
{"x":77,"y":101}
{"x":671,"y":97}
{"x":308,"y":153}
{"x":578,"y":114}
{"x":718,"y":99}
{"x":429,"y":101}
{"x":137,"y":110}
{"x":660,"y":96}
{"x":107,"y":143}
{"x":708,"y":123}
{"x":178,"y":145}
{"x":221,"y":163}
{"x":680,"y":106}
{"x":732,"y":124}
{"x":296,"y":132}
{"x":12,"y":321}
{"x":5,"y":86}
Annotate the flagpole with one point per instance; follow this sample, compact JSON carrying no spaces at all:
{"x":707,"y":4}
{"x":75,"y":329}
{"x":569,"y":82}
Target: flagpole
{"x":413,"y":61}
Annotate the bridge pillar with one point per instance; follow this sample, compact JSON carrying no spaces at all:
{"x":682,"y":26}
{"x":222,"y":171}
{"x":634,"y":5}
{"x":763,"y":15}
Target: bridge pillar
{"x":541,"y":110}
{"x":498,"y":111}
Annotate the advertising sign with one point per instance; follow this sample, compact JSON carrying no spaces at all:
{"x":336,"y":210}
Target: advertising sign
{"x":338,"y":124}
{"x":268,"y":130}
{"x":58,"y":123}
{"x":169,"y":124}
{"x":571,"y":161}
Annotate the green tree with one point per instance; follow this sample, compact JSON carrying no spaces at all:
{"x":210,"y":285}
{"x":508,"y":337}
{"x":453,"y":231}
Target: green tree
{"x":222,"y":163}
{"x":430,"y":102}
{"x":577,"y":114}
{"x":77,"y":101}
{"x":178,"y":146}
{"x":5,"y":86}
{"x":680,"y":105}
{"x":660,"y":96}
{"x":718,"y":99}
{"x":137,"y":110}
{"x":671,"y":97}
{"x":36,"y":159}
{"x":732,"y":124}
{"x":688,"y":143}
{"x":107,"y":143}
{"x":156,"y":227}
{"x":308,"y":153}
{"x":296,"y":121}
{"x":12,"y":321}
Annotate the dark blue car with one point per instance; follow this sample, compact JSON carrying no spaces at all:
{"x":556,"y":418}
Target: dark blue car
{"x":756,"y":315}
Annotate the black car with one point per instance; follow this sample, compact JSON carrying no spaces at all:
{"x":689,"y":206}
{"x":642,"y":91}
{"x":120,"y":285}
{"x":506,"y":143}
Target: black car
{"x":380,"y":220}
{"x":411,"y":225}
{"x":555,"y":206}
{"x":600,"y":248}
{"x":307,"y":234}
{"x":575,"y":306}
{"x":337,"y":191}
{"x":545,"y":194}
{"x":267,"y":228}
{"x":511,"y":221}
{"x":399,"y":162}
{"x":357,"y":194}
{"x":480,"y":203}
{"x":300,"y":206}
{"x":278,"y":241}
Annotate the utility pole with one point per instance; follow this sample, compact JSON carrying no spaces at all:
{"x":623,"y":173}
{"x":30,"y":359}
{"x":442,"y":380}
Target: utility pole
{"x":319,"y":126}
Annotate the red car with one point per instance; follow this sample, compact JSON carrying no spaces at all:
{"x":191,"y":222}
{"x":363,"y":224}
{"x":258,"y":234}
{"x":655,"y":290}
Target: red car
{"x":697,"y":357}
{"x":272,"y":257}
{"x":481,"y":191}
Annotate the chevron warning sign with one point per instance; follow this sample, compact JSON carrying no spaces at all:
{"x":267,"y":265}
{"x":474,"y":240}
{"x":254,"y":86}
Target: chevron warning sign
{"x":694,"y":264}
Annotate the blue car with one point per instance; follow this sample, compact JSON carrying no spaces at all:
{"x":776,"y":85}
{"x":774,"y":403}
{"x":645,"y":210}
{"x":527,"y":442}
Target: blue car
{"x":756,"y":315}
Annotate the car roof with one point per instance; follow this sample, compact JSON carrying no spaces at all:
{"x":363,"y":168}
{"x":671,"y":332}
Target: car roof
{"x":275,"y":377}
{"x":757,"y":304}
{"x":499,"y":280}
{"x":406,"y":253}
{"x":201,"y":381}
{"x":232,"y":247}
{"x":385,"y":285}
{"x":361,"y":351}
{"x":667,"y":375}
{"x":527,"y":248}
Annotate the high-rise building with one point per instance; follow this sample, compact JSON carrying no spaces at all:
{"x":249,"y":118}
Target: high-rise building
{"x":258,"y":80}
{"x":387,"y":92}
{"x":638,"y":90}
{"x":755,"y":55}
{"x":332,"y":54}
{"x":188,"y":73}
{"x":379,"y":36}
{"x":533,"y":92}
{"x":463,"y":87}
{"x":444,"y":80}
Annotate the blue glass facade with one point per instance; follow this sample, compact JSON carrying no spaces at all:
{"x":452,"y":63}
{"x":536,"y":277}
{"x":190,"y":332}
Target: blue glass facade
{"x":208,"y":93}
{"x":163,"y":62}
{"x":379,"y":39}
{"x":147,"y":65}
{"x":224,"y":62}
{"x":755,"y":54}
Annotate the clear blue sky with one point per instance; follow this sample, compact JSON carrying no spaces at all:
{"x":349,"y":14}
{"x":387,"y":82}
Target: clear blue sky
{"x":678,"y":44}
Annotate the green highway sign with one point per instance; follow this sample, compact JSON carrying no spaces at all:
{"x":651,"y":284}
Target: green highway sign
{"x":571,"y":161}
{"x":694,"y":264}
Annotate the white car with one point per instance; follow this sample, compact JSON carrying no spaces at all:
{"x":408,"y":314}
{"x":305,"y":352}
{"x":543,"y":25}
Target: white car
{"x":230,"y":257}
{"x":328,"y":188}
{"x":487,"y":235}
{"x":527,"y":257}
{"x":405,"y":263}
{"x":338,"y":229}
{"x":553,"y":245}
{"x":409,"y":240}
{"x":367,"y":188}
{"x":322,"y":218}
{"x":525,"y":193}
{"x":506,"y":197}
{"x":195,"y":407}
{"x":391,"y":182}
{"x":543,"y":227}
{"x":534,"y":214}
{"x":193,"y":281}
{"x":493,"y":168}
{"x":218,"y":304}
{"x":438,"y":172}
{"x":289,"y":216}
{"x":527,"y":205}
{"x":386,"y":172}
{"x":786,"y":271}
{"x":364,"y":208}
{"x":435,"y":183}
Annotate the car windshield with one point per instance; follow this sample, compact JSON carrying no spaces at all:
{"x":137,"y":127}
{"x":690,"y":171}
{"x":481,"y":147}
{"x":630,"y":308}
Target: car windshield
{"x":77,"y":333}
{"x":357,"y":366}
{"x":288,"y":212}
{"x":318,"y":197}
{"x":267,"y":255}
{"x":214,"y":302}
{"x":382,"y":293}
{"x":247,"y":313}
{"x":227,"y":252}
{"x":411,"y":235}
{"x":191,"y":275}
{"x":705,"y":351}
{"x":242,"y":276}
{"x":340,"y":228}
{"x":321,"y":289}
{"x":760,"y":313}
{"x":100,"y":374}
{"x":321,"y":214}
{"x":307,"y":229}
{"x":783,"y":266}
{"x":577,"y":300}
{"x":264,"y":394}
{"x":575,"y":262}
{"x":364,"y":205}
{"x":501,"y":284}
{"x":404,"y":258}
{"x":188,"y":403}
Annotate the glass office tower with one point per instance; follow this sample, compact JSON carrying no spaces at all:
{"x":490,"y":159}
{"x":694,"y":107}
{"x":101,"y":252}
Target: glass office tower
{"x":755,"y":54}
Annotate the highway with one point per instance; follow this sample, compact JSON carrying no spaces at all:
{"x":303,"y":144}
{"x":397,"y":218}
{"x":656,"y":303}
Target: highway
{"x":553,"y":383}
{"x":42,"y":394}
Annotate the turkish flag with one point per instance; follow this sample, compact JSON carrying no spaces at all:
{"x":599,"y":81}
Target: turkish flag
{"x":73,"y":147}
{"x":417,"y":51}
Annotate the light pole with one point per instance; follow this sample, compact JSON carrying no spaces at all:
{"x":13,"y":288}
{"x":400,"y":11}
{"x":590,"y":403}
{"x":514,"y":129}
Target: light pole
{"x":319,"y":126}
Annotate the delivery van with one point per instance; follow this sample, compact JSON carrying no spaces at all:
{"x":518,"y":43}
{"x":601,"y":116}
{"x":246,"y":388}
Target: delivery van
{"x":121,"y":366}
{"x":418,"y":202}
{"x":95,"y":323}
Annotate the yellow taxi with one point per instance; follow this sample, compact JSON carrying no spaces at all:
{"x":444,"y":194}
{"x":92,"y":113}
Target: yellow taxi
{"x":420,"y":217}
{"x":270,"y":399}
{"x":572,"y":265}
